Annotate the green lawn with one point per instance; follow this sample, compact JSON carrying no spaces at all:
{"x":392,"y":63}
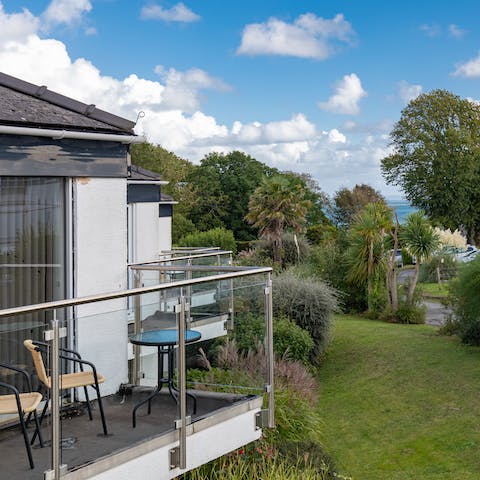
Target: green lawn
{"x":400,"y":402}
{"x":434,"y":290}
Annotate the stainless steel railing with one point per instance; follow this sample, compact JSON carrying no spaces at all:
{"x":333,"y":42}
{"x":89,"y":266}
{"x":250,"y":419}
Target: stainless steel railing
{"x":54,"y":335}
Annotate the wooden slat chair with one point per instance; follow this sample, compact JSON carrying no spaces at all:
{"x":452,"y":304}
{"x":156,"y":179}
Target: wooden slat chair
{"x":22,"y":403}
{"x":89,"y":378}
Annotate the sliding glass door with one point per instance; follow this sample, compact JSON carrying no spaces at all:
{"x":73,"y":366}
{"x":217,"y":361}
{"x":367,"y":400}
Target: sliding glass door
{"x":32,"y":256}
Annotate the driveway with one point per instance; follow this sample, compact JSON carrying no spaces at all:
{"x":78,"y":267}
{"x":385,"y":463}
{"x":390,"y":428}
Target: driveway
{"x":437,"y":313}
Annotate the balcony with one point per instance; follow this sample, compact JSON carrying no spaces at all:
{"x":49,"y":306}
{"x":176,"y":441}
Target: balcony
{"x":217,"y":401}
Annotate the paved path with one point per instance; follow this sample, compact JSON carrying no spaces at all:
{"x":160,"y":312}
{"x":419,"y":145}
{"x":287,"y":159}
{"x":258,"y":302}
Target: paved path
{"x":436,"y":312}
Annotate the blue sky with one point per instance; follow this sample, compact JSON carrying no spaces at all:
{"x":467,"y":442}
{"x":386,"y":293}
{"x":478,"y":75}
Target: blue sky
{"x":311,"y":86}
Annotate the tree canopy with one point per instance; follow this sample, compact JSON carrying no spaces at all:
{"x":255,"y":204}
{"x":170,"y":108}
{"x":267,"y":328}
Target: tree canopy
{"x":172,"y":168}
{"x":277,"y":204}
{"x":224,"y":183}
{"x":348,"y":203}
{"x":436,"y":159}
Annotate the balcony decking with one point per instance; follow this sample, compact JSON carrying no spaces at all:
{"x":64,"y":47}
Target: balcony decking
{"x":83,"y":443}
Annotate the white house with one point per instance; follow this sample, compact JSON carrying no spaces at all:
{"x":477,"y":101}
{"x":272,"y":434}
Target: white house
{"x":75,"y":215}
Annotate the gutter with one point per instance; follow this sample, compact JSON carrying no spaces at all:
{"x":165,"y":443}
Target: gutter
{"x":59,"y":134}
{"x":147,"y":182}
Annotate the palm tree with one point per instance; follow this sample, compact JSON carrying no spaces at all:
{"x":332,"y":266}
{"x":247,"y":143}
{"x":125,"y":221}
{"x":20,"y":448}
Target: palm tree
{"x":420,"y":240}
{"x":277,"y":204}
{"x":365,"y":254}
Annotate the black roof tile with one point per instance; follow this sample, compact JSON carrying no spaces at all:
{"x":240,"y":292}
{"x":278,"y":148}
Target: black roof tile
{"x":25,"y":104}
{"x":139,"y":173}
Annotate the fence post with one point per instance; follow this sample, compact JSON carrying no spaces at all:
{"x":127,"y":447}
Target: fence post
{"x":269,"y":351}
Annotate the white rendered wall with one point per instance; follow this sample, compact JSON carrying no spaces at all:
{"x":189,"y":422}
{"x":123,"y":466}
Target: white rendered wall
{"x":100,"y":266}
{"x":165,"y":233}
{"x":202,"y":447}
{"x":147,"y":241}
{"x":151,"y":234}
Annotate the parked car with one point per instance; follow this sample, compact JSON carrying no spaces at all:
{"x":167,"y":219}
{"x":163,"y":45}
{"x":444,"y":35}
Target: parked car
{"x":468,"y":257}
{"x":398,"y":260}
{"x":467,"y":254}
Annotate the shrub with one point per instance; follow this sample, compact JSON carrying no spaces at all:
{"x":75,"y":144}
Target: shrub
{"x":309,"y":303}
{"x":413,"y":313}
{"x":291,"y":341}
{"x":249,"y":330}
{"x":447,"y":265}
{"x":262,"y":253}
{"x":378,"y":299}
{"x":319,"y":233}
{"x":265,"y":461}
{"x":181,"y":226}
{"x":253,"y":257}
{"x":466,"y":298}
{"x":327,"y":263}
{"x":216,"y":237}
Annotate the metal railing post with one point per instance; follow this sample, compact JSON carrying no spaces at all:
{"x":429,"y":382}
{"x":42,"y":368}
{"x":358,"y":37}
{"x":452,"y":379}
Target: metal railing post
{"x":269,"y":351}
{"x":54,"y":336}
{"x":137,"y":329}
{"x":189,"y":290}
{"x":178,"y":455}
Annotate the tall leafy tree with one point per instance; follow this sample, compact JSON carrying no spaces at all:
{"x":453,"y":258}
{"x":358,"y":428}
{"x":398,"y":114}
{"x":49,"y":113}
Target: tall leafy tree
{"x":420,"y":240}
{"x":436,"y":159}
{"x":172,"y":168}
{"x":347,"y":203}
{"x":278,"y":204}
{"x":318,"y":199}
{"x":224,"y":184}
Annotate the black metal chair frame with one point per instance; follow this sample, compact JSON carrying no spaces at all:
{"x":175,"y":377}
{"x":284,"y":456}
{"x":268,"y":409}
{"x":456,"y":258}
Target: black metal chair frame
{"x":23,"y":422}
{"x":76,"y":358}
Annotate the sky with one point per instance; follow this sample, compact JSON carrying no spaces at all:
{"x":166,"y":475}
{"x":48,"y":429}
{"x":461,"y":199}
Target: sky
{"x":310,"y":86}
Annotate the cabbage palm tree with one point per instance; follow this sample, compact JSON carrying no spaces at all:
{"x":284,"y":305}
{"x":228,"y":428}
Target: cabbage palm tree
{"x":420,"y":240}
{"x":365,"y":254}
{"x":277,"y":204}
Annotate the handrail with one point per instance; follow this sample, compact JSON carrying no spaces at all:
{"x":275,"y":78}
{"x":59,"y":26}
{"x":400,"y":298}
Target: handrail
{"x":247,"y":271}
{"x":190,"y":268}
{"x":185,"y":257}
{"x":190,"y":249}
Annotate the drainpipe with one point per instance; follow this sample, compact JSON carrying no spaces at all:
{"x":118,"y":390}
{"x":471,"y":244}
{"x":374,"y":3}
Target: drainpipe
{"x":59,"y":134}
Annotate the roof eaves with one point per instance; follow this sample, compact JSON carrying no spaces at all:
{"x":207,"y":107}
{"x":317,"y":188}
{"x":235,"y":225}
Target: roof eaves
{"x":43,"y":93}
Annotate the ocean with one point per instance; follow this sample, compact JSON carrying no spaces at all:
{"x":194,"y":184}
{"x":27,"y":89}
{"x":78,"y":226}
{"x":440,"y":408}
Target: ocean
{"x":402,"y":207}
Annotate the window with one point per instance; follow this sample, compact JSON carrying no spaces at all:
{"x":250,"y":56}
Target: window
{"x":32,"y":257}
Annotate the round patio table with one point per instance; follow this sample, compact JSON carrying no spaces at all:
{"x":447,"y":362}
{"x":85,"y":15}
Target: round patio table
{"x":165,"y":341}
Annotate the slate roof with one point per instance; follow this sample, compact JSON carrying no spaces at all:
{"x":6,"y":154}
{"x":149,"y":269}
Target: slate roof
{"x":29,"y":105}
{"x":139,"y":173}
{"x":164,"y":198}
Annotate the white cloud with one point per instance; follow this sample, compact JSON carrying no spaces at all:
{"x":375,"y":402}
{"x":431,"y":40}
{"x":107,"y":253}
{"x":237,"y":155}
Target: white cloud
{"x":65,"y":11}
{"x":178,"y":13}
{"x":90,"y":31}
{"x":308,"y":36}
{"x":16,"y":26}
{"x":173,"y":117}
{"x":408,"y":91}
{"x":297,"y":129}
{"x":470,"y":69}
{"x":336,"y":137}
{"x":381,"y":127}
{"x":182,"y":88}
{"x":348,"y":93}
{"x":455,"y":31}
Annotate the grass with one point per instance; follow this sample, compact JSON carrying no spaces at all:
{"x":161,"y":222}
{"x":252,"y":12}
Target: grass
{"x":400,"y":402}
{"x":434,"y":290}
